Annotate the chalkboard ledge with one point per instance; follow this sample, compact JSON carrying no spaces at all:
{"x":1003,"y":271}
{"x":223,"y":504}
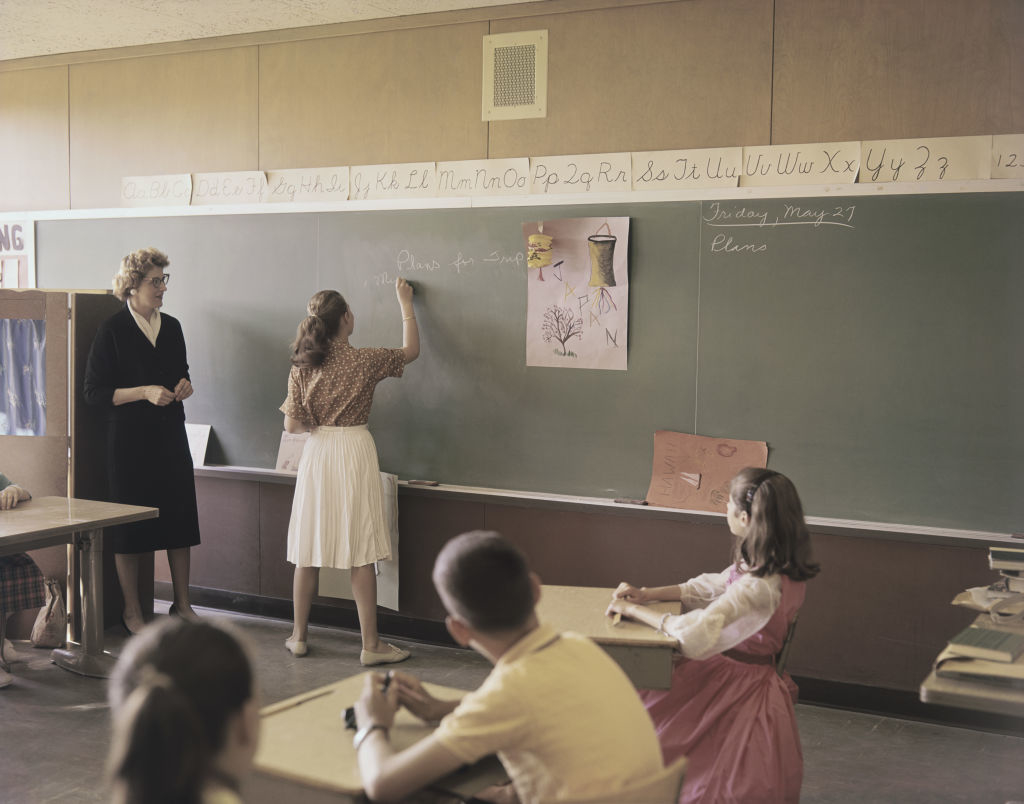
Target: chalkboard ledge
{"x":919,"y":534}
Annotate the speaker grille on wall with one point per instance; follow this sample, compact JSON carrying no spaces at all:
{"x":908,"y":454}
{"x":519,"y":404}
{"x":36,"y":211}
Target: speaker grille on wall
{"x":515,"y":75}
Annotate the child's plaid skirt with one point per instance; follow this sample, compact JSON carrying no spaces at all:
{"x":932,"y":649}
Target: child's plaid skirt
{"x":21,"y":584}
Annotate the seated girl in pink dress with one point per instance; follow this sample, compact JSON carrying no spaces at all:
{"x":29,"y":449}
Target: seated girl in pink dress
{"x":728,"y":711}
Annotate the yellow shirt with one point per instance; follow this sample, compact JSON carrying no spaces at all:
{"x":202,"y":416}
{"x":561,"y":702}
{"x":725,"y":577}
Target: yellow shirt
{"x":561,"y":715}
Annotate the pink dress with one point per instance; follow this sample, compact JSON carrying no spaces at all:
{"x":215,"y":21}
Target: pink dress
{"x":734,"y":720}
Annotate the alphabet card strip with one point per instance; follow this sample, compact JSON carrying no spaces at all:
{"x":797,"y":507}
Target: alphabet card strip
{"x":173,"y":190}
{"x":1008,"y":156}
{"x":407,"y":180}
{"x":484,"y":177}
{"x":237,"y":187}
{"x":936,"y":159}
{"x":686,"y":170}
{"x":307,"y":185}
{"x":582,"y":174}
{"x":813,"y":163}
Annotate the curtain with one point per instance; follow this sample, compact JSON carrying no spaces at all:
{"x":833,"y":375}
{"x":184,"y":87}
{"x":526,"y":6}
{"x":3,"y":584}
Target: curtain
{"x":22,"y":376}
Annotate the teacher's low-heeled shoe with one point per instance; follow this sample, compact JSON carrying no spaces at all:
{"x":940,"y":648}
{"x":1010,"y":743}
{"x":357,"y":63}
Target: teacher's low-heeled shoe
{"x":296,"y":647}
{"x":390,"y":655}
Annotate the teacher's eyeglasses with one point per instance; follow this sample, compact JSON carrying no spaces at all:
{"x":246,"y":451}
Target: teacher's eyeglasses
{"x":159,"y":281}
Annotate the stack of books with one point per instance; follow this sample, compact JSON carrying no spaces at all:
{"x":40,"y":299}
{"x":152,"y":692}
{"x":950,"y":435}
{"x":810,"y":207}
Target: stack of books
{"x":991,"y":650}
{"x":1010,"y":563}
{"x":985,"y":652}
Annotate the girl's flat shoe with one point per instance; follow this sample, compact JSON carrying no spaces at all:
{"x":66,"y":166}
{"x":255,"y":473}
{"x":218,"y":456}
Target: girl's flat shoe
{"x":389,"y":655}
{"x":296,"y":647}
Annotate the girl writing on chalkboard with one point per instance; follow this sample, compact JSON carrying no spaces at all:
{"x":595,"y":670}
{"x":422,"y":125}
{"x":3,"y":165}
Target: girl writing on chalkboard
{"x":337,"y":515}
{"x":728,"y":710}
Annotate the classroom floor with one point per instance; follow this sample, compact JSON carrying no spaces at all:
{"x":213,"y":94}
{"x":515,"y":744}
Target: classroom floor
{"x":54,"y":729}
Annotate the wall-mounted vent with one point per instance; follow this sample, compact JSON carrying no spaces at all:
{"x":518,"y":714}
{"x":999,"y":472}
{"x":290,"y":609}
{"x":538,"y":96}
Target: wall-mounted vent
{"x":515,"y":75}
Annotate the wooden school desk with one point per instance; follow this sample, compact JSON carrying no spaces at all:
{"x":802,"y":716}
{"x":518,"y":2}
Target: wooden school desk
{"x":306,"y":753}
{"x":46,"y":521}
{"x":642,"y":652}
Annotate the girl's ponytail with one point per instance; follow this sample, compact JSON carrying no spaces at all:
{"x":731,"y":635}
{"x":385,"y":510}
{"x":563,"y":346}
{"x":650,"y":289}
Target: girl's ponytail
{"x":326,"y":309}
{"x":160,"y":754}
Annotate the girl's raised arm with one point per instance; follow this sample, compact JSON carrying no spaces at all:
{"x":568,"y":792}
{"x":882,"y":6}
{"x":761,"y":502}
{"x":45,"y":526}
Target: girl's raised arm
{"x":410,"y":332}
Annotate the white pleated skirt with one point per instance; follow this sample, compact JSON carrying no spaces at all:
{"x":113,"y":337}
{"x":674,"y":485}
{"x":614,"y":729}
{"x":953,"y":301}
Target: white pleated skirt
{"x":338,"y":510}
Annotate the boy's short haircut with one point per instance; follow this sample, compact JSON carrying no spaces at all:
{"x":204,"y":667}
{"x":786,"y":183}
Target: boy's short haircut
{"x":484,"y":580}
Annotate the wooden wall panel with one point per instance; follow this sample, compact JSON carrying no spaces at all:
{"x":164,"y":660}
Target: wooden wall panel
{"x":396,"y":96}
{"x":879,"y":612}
{"x":678,"y":75}
{"x":874,"y":69}
{"x":34,"y":139}
{"x":188,"y":113}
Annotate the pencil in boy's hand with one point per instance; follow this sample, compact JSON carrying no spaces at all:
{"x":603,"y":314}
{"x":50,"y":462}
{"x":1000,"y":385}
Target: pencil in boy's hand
{"x":616,"y":618}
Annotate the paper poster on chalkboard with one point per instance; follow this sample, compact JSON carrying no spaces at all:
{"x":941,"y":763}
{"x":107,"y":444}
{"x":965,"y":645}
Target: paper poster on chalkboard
{"x":577,"y":298}
{"x":694,"y":472}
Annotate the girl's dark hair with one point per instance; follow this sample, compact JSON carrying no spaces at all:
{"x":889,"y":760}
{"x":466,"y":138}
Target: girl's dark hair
{"x":776,"y":540}
{"x":172,"y":693}
{"x":326,"y":309}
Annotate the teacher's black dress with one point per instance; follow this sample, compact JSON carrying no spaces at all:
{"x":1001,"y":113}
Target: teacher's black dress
{"x":148,"y":459}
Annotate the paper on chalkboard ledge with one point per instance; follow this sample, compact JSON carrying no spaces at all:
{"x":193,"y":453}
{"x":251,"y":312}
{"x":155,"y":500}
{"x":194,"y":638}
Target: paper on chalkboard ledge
{"x":289,"y":452}
{"x":694,"y":472}
{"x":198,"y":438}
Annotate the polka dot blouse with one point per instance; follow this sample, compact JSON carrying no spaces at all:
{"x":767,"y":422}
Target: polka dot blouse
{"x":339,"y":392}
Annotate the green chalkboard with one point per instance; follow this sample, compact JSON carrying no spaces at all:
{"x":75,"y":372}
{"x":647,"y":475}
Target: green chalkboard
{"x":873,"y":342}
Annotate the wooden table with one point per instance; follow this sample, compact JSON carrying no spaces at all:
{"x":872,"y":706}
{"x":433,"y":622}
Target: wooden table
{"x":47,"y":521}
{"x":306,"y":753}
{"x":642,"y":652}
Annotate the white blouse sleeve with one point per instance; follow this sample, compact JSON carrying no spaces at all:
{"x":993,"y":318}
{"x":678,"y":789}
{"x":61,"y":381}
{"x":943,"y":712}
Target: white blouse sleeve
{"x":738,"y":612}
{"x":698,"y":592}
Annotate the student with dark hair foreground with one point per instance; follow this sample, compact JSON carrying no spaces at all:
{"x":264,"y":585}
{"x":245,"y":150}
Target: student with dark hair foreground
{"x":185,"y":715}
{"x":559,"y":713}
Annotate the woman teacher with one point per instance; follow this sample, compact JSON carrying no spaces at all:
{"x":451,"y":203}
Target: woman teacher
{"x":137,"y":370}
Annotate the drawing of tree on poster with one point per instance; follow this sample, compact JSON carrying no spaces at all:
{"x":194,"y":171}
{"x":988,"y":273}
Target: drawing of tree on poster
{"x":561,"y":325}
{"x":577,"y":293}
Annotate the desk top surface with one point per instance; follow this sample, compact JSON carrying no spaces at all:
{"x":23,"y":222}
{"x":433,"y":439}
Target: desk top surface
{"x":982,"y":697}
{"x":48,"y":520}
{"x":304,"y":738}
{"x":581,"y":609}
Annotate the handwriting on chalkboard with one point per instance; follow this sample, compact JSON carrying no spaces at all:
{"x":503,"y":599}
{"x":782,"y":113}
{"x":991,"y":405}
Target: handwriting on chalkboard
{"x":759,"y":216}
{"x":408,"y":262}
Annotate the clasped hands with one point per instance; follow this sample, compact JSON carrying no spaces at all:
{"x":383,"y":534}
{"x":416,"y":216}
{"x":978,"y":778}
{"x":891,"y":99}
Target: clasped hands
{"x":160,"y":396}
{"x":624,"y":598}
{"x":379,"y":707}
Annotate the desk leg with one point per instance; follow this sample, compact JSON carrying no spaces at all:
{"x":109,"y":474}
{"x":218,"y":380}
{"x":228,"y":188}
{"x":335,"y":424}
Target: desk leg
{"x":89,"y":658}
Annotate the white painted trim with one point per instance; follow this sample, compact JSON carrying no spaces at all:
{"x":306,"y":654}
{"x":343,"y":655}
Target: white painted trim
{"x":630,"y":197}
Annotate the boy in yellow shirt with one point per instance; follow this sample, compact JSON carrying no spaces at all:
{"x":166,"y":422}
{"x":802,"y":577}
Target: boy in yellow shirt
{"x":561,"y":715}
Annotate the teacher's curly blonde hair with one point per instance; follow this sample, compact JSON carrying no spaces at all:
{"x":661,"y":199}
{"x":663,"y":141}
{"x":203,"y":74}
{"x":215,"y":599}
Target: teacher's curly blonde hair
{"x":134,"y":268}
